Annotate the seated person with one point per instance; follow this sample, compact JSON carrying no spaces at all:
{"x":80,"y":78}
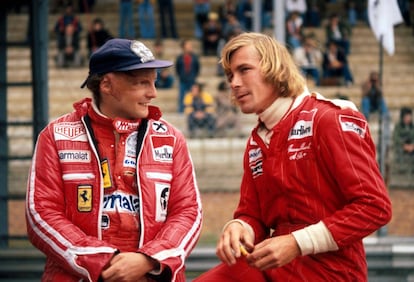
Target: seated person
{"x":226,"y":111}
{"x":403,"y":140}
{"x":68,"y":48}
{"x":308,"y":57}
{"x":199,"y":108}
{"x":340,"y":32}
{"x":165,"y":79}
{"x":372,"y":99}
{"x":211,"y":35}
{"x":335,"y":64}
{"x":97,"y":35}
{"x":294,"y":30}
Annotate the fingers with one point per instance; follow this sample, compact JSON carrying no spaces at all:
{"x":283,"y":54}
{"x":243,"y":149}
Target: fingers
{"x":228,"y":247}
{"x":225,"y":249}
{"x":274,"y":252}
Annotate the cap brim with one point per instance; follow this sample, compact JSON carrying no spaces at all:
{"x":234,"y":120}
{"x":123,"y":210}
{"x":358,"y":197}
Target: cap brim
{"x":84,"y":83}
{"x":156,"y":64}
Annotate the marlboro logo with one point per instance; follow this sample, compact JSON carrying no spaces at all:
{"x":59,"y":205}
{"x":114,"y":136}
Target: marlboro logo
{"x":162,"y":148}
{"x":304,"y":126}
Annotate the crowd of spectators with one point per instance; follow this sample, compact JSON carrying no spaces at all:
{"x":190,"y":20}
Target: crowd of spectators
{"x":323,"y":60}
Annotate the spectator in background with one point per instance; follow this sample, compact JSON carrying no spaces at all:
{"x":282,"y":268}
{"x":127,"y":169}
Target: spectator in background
{"x":372,"y":96}
{"x":351,"y":11}
{"x":199,"y":108}
{"x":187,"y":67}
{"x":165,"y":78}
{"x":229,"y":7}
{"x":201,"y":11}
{"x":403,"y":140}
{"x":68,"y":17}
{"x":335,"y":64}
{"x":309,"y":58}
{"x":67,"y":29}
{"x":69,"y":53}
{"x":245,"y":14}
{"x":294,"y":30}
{"x":404,"y":132}
{"x":97,"y":35}
{"x":340,"y":32}
{"x":227,"y":112}
{"x":166,"y":10}
{"x":313,"y":14}
{"x":212,"y":32}
{"x":232,"y":26}
{"x":126,"y":19}
{"x":146,"y":19}
{"x":296,"y":6}
{"x":267,"y":14}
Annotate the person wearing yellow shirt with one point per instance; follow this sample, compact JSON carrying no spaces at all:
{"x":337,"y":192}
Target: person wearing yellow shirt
{"x":199,"y":108}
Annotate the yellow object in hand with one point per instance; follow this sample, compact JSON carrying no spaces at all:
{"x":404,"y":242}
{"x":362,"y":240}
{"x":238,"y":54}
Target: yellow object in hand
{"x":243,"y":250}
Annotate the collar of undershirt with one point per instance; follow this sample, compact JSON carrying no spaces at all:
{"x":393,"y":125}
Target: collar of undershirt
{"x":279,"y":109}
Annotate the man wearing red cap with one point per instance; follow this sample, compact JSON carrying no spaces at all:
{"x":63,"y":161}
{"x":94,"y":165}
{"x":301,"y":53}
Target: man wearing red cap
{"x":112,"y":194}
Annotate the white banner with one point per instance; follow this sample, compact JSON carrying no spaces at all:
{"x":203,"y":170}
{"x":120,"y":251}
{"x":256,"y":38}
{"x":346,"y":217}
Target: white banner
{"x":383,"y":15}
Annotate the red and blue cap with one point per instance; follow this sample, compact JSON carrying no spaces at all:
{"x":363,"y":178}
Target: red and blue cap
{"x":123,"y":55}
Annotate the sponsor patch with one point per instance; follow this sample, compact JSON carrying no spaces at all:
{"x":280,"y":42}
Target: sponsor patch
{"x":74,"y":156}
{"x":162,"y":148}
{"x":304,"y":126}
{"x":106,"y":174}
{"x":159,"y":127}
{"x":124,"y":126}
{"x":84,"y":198}
{"x":130,"y":150}
{"x":353,"y":124}
{"x":130,"y":162}
{"x":256,"y":162}
{"x":105,"y":221}
{"x":162,"y":191}
{"x":69,"y":131}
{"x":297,"y":152}
{"x":120,"y":202}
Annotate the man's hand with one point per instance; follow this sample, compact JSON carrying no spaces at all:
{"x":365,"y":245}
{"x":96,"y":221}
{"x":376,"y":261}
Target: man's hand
{"x":126,"y":267}
{"x":274,"y":252}
{"x":228,"y":247}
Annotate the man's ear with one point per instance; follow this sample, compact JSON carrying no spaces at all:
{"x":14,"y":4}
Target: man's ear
{"x":105,"y":86}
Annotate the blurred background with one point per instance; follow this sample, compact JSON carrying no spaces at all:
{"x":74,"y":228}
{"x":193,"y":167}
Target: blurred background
{"x":40,"y":80}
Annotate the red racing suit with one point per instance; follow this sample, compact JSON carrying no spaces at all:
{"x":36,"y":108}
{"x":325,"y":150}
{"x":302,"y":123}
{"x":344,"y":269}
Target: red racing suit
{"x":80,"y":212}
{"x":320,"y":165}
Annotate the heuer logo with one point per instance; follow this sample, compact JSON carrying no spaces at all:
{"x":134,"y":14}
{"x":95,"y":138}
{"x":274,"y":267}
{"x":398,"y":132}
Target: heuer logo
{"x":69,"y":131}
{"x":304,"y":126}
{"x":162,"y":148}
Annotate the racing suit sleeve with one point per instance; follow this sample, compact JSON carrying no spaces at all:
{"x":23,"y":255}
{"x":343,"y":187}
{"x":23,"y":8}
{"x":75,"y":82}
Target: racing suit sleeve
{"x":174,"y":241}
{"x":48,"y":222}
{"x":347,"y":154}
